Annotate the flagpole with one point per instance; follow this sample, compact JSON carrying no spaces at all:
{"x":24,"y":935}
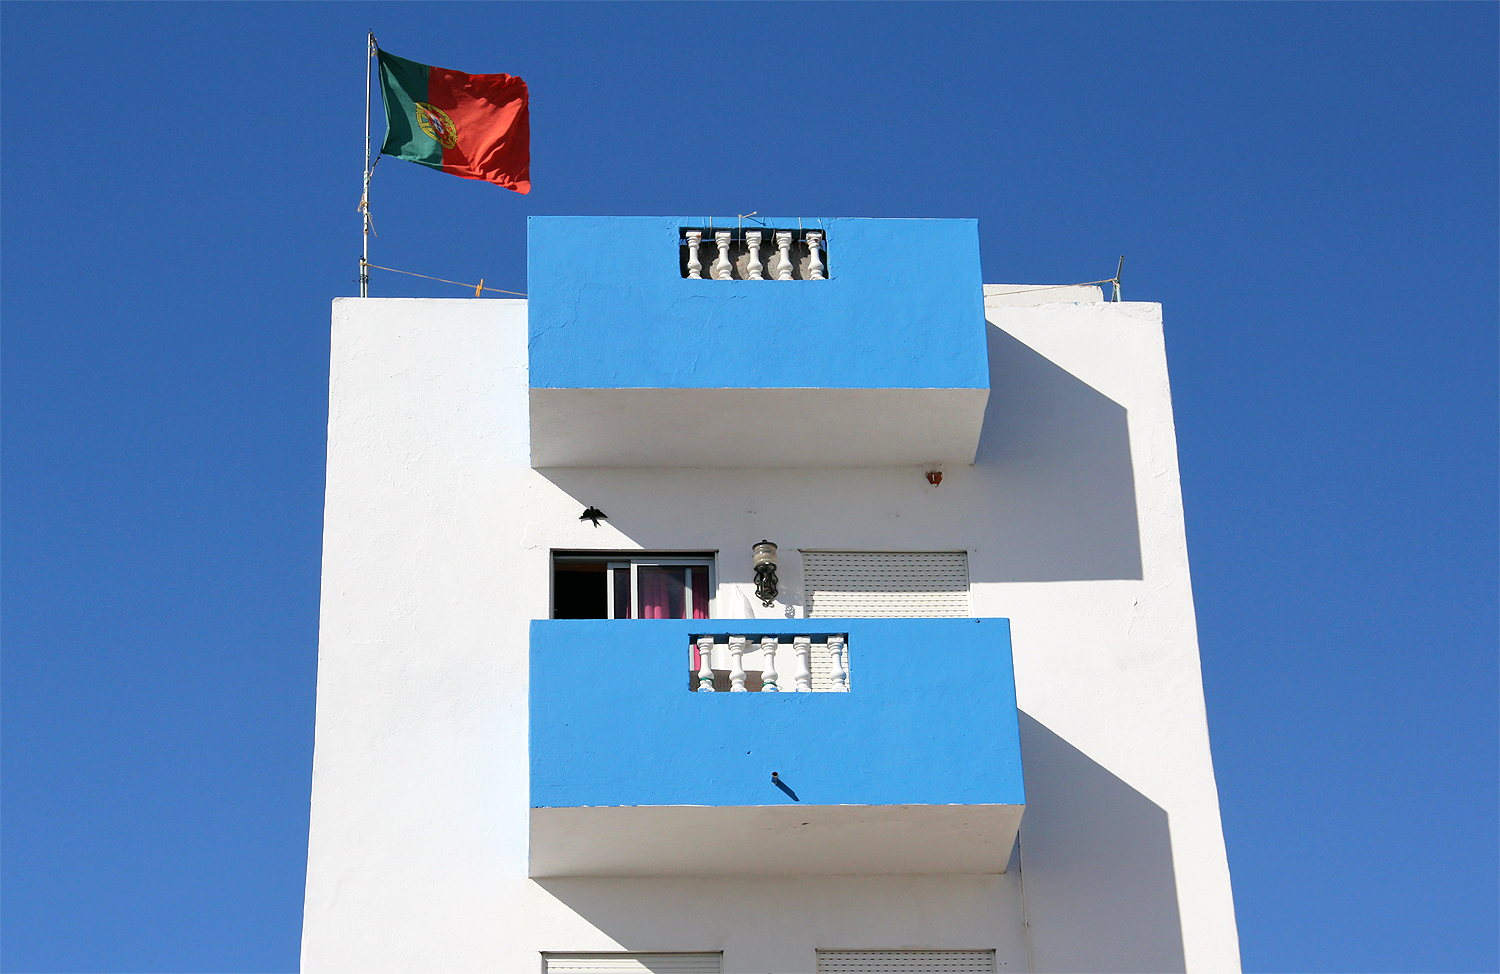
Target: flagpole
{"x":364,"y":200}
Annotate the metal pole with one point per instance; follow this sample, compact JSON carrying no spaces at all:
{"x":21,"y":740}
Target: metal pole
{"x":364,"y":200}
{"x":1117,"y":276}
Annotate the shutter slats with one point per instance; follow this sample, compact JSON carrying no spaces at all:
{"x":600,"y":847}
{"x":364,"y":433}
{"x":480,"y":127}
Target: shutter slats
{"x":633,"y":963}
{"x":885,"y":584}
{"x":829,"y":962}
{"x":821,"y":663}
{"x":906,"y":962}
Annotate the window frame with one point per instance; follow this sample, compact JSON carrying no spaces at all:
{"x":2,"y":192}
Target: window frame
{"x":631,"y":561}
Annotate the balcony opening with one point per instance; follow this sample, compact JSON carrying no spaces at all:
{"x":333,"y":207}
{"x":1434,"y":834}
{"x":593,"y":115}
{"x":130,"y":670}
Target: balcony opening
{"x":753,"y":254}
{"x":632,"y":586}
{"x":729,"y":663}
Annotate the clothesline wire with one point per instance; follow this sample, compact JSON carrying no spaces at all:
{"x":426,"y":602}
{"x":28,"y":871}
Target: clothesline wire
{"x":477,"y":287}
{"x":1054,"y":287}
{"x":481,"y":286}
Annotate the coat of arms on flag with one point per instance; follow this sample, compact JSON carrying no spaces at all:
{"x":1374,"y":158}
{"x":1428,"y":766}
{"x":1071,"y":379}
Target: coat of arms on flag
{"x":473,"y":125}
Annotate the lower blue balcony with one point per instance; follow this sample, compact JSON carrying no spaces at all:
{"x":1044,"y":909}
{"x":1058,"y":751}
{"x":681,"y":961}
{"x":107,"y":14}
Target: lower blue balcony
{"x":858,"y":746}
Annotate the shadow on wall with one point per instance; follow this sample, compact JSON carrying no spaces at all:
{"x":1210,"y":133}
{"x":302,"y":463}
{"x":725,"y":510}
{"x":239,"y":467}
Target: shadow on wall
{"x":1096,"y":860}
{"x":1051,"y":496}
{"x":1056,"y":453}
{"x":1096,"y":867}
{"x":776,"y":923}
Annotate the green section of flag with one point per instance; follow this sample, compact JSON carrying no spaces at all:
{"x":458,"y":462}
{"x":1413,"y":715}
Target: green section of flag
{"x":403,"y":83}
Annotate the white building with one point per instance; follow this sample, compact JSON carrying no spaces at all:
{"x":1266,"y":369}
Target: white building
{"x":973,"y":733}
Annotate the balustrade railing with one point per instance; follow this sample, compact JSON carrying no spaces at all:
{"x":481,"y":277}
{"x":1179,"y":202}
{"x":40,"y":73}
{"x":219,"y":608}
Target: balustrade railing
{"x":731,"y":663}
{"x":754,"y":254}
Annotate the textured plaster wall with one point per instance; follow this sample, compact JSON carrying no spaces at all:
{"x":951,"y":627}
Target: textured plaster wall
{"x":611,"y":310}
{"x":911,"y":735}
{"x":436,"y":542}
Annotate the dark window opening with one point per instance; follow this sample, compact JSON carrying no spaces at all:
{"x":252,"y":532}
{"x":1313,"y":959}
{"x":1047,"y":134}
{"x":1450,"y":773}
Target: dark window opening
{"x":578,"y":591}
{"x":633,"y":586}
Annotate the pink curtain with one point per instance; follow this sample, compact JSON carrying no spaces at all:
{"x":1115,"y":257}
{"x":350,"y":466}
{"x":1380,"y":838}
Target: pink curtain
{"x":663,"y":592}
{"x":700,"y":593}
{"x":699,"y":577}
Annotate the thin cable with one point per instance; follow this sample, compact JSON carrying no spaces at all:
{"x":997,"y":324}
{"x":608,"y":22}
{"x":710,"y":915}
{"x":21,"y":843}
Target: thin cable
{"x":481,"y":287}
{"x":477,"y":287}
{"x":1054,"y":287}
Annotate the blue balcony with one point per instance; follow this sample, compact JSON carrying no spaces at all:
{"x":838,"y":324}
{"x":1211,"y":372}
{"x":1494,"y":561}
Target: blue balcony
{"x":915,"y":768}
{"x":881,"y":361}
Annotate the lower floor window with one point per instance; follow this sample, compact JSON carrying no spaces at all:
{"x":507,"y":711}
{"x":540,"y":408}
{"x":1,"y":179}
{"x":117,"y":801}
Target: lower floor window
{"x":831,"y":961}
{"x":633,"y":963}
{"x":906,"y":961}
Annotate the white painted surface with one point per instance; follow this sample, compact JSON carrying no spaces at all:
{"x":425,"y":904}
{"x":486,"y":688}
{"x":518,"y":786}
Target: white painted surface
{"x":754,"y":427}
{"x":773,"y":840}
{"x":437,"y":536}
{"x":1033,"y":295}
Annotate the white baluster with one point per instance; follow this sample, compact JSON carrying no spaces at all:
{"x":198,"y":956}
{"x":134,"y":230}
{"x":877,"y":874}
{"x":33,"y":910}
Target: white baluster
{"x":803,"y":673}
{"x":752,"y":240}
{"x":783,"y":256}
{"x":722,"y":269}
{"x":736,"y":664}
{"x":705,"y":664}
{"x":769,"y":675}
{"x":815,"y":263}
{"x":695,"y":265}
{"x":838,"y":674}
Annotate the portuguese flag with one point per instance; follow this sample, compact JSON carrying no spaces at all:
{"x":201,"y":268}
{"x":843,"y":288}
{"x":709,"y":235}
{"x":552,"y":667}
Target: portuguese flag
{"x":472,"y":125}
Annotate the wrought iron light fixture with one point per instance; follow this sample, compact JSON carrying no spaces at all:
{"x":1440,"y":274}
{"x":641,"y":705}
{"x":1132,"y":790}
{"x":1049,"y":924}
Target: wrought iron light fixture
{"x":765,"y":573}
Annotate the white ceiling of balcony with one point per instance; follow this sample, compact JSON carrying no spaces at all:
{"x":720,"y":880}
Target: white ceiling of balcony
{"x":773,"y":840}
{"x":755,"y":427}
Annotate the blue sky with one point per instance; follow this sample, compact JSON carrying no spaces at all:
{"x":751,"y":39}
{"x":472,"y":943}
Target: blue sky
{"x":1310,"y":190}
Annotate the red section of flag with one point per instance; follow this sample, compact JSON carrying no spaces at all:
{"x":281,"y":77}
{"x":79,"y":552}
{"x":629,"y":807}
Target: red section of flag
{"x":491,"y":131}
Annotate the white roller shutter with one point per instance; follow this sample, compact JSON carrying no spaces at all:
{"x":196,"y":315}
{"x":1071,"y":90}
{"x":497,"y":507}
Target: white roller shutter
{"x":633,"y":963}
{"x":820,"y":661}
{"x":886,"y":584}
{"x":906,"y":961}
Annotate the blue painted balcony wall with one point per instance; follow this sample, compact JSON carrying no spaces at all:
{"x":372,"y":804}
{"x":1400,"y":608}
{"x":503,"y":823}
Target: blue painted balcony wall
{"x":609,"y":309}
{"x":915,"y":770}
{"x":613,"y":722}
{"x":631,"y":364}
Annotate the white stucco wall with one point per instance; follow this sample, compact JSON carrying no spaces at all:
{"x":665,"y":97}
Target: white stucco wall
{"x":436,"y":556}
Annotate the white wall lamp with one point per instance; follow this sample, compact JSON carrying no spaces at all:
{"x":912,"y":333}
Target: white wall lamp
{"x":765,"y":573}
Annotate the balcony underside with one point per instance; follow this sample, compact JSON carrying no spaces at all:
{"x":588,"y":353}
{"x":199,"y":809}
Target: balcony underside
{"x":772,"y":840}
{"x":762,"y":427}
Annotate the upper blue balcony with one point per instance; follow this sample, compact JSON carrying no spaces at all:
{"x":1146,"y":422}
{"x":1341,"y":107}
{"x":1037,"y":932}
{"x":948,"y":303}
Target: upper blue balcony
{"x":690,"y":341}
{"x":904,"y":765}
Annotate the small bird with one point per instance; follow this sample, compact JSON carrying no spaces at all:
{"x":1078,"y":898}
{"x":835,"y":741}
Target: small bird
{"x":593,"y":514}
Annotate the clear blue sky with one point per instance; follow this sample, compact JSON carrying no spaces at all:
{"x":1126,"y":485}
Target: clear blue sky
{"x":1310,"y":190}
